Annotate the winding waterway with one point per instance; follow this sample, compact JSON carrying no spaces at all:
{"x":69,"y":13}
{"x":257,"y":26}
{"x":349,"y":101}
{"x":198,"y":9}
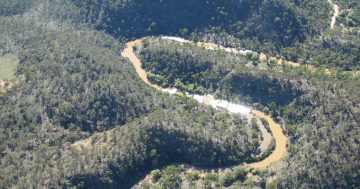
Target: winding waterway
{"x":276,"y":130}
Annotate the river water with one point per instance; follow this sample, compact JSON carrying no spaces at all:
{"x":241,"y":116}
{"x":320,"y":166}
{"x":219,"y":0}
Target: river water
{"x":276,"y":129}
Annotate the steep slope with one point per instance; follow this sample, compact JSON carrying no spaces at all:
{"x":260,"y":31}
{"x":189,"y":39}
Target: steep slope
{"x":320,"y":112}
{"x":76,"y":84}
{"x":179,"y":131}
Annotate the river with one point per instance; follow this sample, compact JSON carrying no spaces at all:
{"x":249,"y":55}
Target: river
{"x":276,"y":129}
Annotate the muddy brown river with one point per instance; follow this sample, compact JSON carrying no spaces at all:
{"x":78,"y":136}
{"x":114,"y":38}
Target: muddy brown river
{"x":276,"y":130}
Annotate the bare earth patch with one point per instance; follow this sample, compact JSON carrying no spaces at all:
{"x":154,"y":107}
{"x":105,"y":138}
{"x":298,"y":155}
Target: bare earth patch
{"x":2,"y":86}
{"x":8,"y":64}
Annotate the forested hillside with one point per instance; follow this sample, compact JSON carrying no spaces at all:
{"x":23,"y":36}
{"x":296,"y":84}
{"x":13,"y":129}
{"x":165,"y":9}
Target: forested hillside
{"x":277,"y":27}
{"x":179,"y":130}
{"x":72,"y":86}
{"x":320,"y":112}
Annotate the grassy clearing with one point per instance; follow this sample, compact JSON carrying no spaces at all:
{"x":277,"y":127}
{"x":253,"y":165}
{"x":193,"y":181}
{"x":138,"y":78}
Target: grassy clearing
{"x":8,"y":64}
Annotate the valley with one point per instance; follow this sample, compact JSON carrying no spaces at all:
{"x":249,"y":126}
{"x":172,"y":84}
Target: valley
{"x":180,"y":94}
{"x":280,"y":138}
{"x":276,"y":130}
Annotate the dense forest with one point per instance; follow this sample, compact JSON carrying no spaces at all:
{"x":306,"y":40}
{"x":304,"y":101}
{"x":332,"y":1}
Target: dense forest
{"x":320,"y":112}
{"x":179,"y":129}
{"x":76,"y":87}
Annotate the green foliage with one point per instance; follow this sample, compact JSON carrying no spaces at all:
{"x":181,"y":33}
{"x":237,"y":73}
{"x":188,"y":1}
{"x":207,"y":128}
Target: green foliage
{"x":171,"y":178}
{"x":253,"y":122}
{"x":227,"y":179}
{"x":211,"y":177}
{"x":209,"y":72}
{"x":157,"y":79}
{"x":179,"y":85}
{"x":156,"y":175}
{"x":192,"y":176}
{"x":349,"y":13}
{"x":295,"y":106}
{"x":240,"y":173}
{"x":76,"y":84}
{"x":273,"y":60}
{"x":13,"y":7}
{"x":266,"y":110}
{"x":264,"y":122}
{"x":254,"y":57}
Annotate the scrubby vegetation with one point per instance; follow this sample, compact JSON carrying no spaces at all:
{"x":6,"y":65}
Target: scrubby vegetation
{"x":319,"y":116}
{"x":179,"y":177}
{"x":76,"y":85}
{"x":178,"y":131}
{"x":199,"y":70}
{"x":349,"y":13}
